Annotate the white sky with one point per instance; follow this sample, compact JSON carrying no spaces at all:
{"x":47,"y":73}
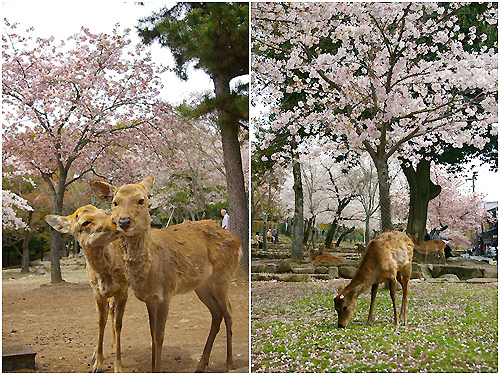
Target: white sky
{"x":63,"y":18}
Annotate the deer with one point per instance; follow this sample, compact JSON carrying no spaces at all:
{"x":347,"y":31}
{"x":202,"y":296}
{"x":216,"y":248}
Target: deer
{"x":388,"y":257}
{"x":360,"y":248}
{"x":429,"y":247}
{"x":160,"y":263}
{"x":95,"y":231}
{"x":317,"y":257}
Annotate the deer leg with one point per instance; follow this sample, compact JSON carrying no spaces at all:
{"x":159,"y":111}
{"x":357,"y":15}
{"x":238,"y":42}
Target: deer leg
{"x":372,"y":303}
{"x":228,"y":320}
{"x":207,"y":296}
{"x":404,"y":302}
{"x":112,"y":308}
{"x":404,"y":278}
{"x":392,"y":288}
{"x":158,"y":312}
{"x":152,"y":327}
{"x":102,"y":311}
{"x":120,"y":300}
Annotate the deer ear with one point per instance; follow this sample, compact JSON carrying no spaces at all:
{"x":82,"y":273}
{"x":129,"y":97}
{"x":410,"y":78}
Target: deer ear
{"x":102,"y":190}
{"x":147,"y":183}
{"x":59,"y":223}
{"x":341,"y":287}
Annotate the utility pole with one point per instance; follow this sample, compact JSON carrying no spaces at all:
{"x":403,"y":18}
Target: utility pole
{"x":473,"y":178}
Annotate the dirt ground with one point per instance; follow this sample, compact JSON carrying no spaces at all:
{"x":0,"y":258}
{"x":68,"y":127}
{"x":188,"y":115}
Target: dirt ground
{"x":59,"y":322}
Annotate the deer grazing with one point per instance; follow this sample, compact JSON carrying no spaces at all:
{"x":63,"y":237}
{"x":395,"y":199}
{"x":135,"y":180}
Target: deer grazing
{"x":317,"y":257}
{"x":95,"y":231}
{"x":429,"y":247}
{"x":388,"y":257}
{"x":160,"y":263}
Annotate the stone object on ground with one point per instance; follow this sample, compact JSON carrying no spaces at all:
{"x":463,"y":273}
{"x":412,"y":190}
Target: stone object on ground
{"x":347,"y":272}
{"x":450,"y":277}
{"x":284,"y":266}
{"x":462,"y":272}
{"x":306,"y":269}
{"x":18,"y":357}
{"x":333,"y":272}
{"x":293,"y":277}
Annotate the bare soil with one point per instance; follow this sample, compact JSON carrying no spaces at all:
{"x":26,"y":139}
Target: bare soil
{"x":59,"y":322}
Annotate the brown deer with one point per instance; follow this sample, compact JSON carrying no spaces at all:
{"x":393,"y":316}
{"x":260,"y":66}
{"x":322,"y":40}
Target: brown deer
{"x":95,"y":231}
{"x":317,"y":257}
{"x":360,"y":249}
{"x":429,"y":247}
{"x":160,"y":263}
{"x":388,"y":257}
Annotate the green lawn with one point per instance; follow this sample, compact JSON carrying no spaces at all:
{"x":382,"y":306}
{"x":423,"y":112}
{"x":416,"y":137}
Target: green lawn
{"x":451,"y":328}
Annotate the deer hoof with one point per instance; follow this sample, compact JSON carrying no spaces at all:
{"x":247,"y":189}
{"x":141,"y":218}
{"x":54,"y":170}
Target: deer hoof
{"x":96,"y":369}
{"x":198,"y":371}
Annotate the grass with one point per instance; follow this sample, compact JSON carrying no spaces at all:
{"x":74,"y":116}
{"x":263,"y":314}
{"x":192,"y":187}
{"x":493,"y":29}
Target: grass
{"x":452,"y":327}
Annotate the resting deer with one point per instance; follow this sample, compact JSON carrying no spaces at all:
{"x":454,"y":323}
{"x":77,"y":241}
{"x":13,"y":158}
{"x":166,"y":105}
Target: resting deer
{"x":95,"y":231}
{"x":160,"y":263}
{"x":387,"y":258}
{"x":317,"y":257}
{"x":429,"y":247}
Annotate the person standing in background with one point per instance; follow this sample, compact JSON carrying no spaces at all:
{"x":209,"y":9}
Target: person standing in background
{"x":225,"y":219}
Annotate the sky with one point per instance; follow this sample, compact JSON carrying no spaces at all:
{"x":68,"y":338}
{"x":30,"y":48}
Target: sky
{"x":64,"y":18}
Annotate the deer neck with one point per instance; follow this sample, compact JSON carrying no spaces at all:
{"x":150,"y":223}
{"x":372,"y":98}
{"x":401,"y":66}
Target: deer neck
{"x":360,"y":282}
{"x":135,"y":252}
{"x":101,"y":264}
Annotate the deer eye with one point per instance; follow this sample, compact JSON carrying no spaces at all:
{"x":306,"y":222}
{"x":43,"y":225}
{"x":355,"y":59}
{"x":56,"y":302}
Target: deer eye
{"x":345,"y":308}
{"x":141,"y":201}
{"x":85,"y":223}
{"x":115,"y":204}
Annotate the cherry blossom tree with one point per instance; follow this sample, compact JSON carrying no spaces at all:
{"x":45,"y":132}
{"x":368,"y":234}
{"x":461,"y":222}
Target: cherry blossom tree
{"x":455,"y":208}
{"x":11,"y":204}
{"x":389,"y":79}
{"x":84,"y":104}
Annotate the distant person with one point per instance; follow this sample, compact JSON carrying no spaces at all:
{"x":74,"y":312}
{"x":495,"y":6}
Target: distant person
{"x":257,"y":240}
{"x":447,"y":249}
{"x":225,"y":219}
{"x":275,"y":236}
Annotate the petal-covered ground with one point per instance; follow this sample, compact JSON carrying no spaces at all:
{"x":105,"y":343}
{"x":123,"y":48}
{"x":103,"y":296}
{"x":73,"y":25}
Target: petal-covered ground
{"x":452,"y":327}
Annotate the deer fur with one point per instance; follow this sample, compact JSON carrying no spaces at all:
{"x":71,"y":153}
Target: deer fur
{"x":388,"y":257}
{"x":160,"y":263}
{"x":95,"y":231}
{"x":317,"y":257}
{"x":429,"y":247}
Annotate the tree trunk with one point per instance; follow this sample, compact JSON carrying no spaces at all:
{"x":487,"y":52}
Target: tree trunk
{"x":235,"y":180}
{"x":367,"y":230}
{"x":331,"y":234}
{"x":25,"y":262}
{"x":422,"y":191}
{"x":56,"y":238}
{"x":298,"y":216}
{"x":307,"y":230}
{"x":344,"y":233}
{"x":384,"y":194}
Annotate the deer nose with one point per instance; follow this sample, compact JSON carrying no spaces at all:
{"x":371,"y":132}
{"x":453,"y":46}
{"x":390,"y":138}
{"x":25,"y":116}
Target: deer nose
{"x":125,"y":223}
{"x":341,"y":325}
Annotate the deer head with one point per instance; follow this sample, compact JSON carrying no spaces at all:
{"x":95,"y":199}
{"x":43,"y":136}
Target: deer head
{"x":90,"y":225}
{"x":129,"y":203}
{"x":413,"y":237}
{"x":345,"y":304}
